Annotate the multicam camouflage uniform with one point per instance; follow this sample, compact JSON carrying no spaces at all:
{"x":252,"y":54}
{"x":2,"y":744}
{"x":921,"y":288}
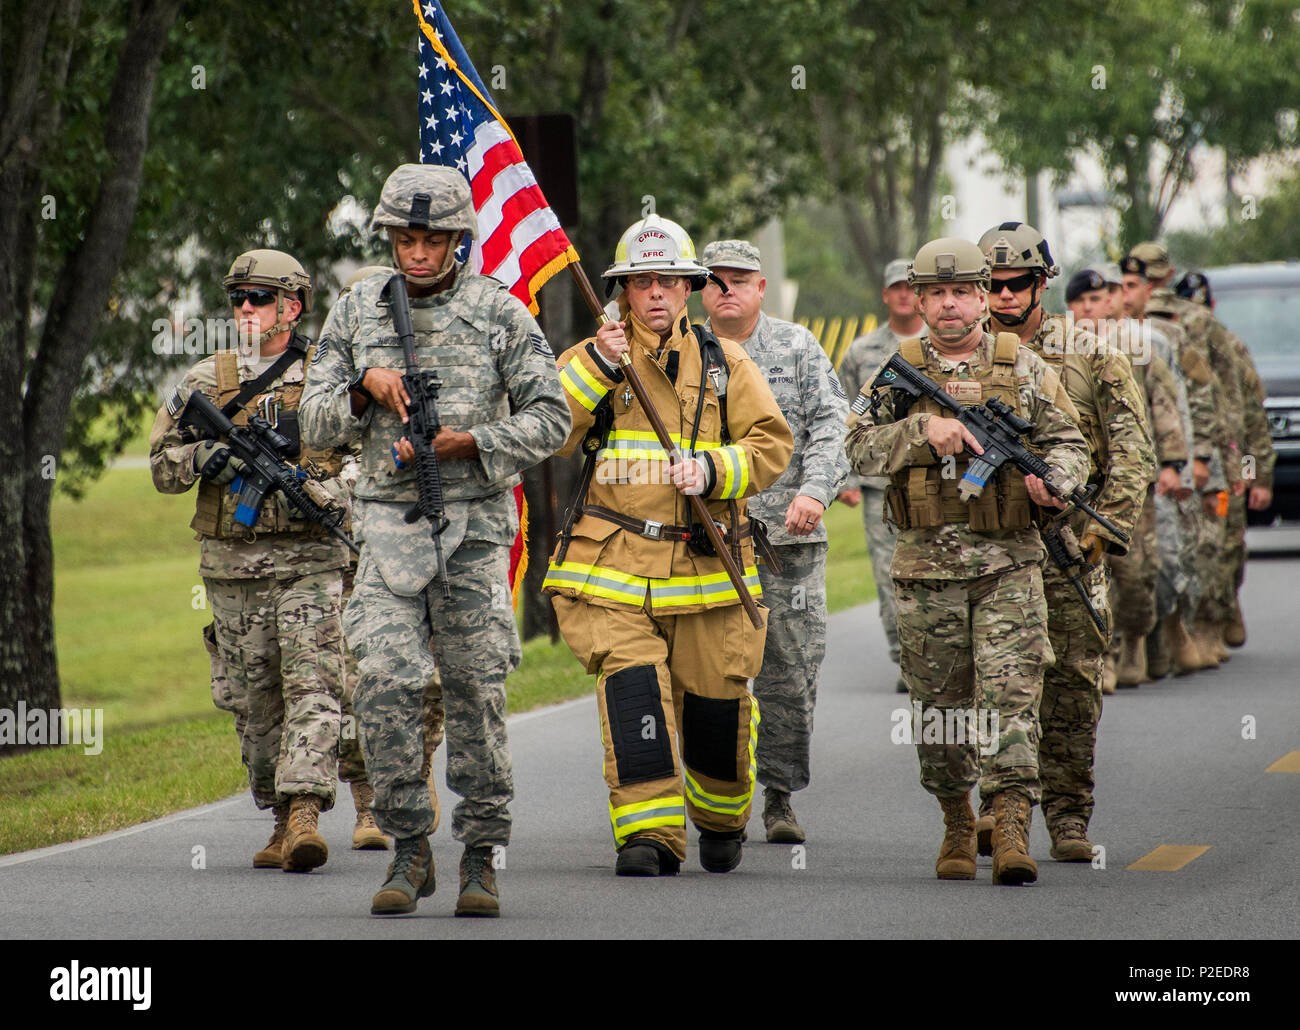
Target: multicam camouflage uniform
{"x":276,"y":602}
{"x":500,"y":384}
{"x":971,"y":610}
{"x":814,"y":406}
{"x":1112,"y":416}
{"x":866,"y":354}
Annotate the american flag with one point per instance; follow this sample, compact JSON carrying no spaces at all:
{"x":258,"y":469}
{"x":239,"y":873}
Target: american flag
{"x":520,"y":241}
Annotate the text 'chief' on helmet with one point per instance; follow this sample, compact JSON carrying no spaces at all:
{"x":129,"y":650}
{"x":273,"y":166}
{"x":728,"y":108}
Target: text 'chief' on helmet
{"x":655,"y":244}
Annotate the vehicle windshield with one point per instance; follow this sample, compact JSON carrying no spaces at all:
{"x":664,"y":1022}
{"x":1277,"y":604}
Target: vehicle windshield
{"x":1265,"y":317}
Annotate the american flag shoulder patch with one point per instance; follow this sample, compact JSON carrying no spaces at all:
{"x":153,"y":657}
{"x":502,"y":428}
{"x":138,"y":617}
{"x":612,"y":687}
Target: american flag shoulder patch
{"x":174,"y":404}
{"x":860,"y":403}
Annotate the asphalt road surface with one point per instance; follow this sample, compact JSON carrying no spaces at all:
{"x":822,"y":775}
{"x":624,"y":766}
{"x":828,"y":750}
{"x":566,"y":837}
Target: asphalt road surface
{"x":1174,"y":768}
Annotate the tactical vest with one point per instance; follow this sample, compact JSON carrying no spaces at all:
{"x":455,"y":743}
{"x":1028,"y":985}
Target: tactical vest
{"x":921,"y":497}
{"x":215,"y":508}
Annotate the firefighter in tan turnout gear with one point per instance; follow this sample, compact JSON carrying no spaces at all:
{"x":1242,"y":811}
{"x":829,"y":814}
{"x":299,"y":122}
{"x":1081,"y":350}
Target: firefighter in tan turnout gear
{"x":642,"y":603}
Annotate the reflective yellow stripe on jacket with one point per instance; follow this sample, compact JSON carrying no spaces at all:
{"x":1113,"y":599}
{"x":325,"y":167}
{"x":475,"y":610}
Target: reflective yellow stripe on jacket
{"x":628,"y":820}
{"x":581,"y":385}
{"x":732,"y":468}
{"x":631,"y":444}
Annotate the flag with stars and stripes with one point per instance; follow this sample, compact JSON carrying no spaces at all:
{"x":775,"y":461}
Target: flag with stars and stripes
{"x":520,"y":241}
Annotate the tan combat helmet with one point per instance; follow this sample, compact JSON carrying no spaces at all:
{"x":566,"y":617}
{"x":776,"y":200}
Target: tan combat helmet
{"x":426,"y":197}
{"x":656,"y":244}
{"x":950,"y":260}
{"x":275,"y":270}
{"x":1014,"y":245}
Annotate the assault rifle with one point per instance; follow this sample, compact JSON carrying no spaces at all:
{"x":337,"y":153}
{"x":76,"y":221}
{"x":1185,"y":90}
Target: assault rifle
{"x":998,"y":429}
{"x":261,"y":450}
{"x":422,"y":387}
{"x":1064,"y":550}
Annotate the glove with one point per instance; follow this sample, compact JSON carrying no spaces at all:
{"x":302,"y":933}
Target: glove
{"x":214,"y":462}
{"x":1092,"y":547}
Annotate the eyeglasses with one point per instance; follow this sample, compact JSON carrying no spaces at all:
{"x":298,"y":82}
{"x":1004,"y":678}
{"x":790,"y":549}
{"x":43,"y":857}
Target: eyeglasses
{"x":1015,"y":285}
{"x":644,"y":282}
{"x":260,"y":298}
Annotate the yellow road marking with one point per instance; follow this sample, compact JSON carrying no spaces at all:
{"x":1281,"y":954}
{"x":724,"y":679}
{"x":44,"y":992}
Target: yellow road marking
{"x":1287,"y":763}
{"x":1168,"y":857}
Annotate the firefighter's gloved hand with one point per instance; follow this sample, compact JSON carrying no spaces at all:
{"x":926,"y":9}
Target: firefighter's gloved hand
{"x":691,"y":477}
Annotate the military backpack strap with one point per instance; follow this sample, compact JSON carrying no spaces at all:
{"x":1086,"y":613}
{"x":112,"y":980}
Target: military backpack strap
{"x":912,"y":351}
{"x":596,"y":437}
{"x":1007,"y":345}
{"x":296,"y":351}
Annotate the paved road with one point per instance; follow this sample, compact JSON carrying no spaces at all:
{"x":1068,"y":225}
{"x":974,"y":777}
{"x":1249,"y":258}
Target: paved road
{"x":1173,"y":769}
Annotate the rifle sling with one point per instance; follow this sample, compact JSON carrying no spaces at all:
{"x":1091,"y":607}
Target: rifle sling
{"x":294,"y":352}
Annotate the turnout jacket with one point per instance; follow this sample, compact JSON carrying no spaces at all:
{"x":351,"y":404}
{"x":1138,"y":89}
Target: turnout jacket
{"x":608,"y":564}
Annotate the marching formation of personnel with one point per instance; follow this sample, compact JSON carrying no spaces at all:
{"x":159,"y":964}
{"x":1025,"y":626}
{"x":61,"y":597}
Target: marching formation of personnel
{"x":1054,"y":506}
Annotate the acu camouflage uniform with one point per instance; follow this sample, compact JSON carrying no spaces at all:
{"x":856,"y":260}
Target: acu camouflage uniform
{"x":276,"y":640}
{"x":866,"y":354}
{"x":499,"y":383}
{"x":972,"y":617}
{"x":809,"y":395}
{"x":1112,"y":416}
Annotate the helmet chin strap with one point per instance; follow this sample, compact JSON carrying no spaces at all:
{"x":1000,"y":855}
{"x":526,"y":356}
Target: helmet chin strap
{"x":280,"y":324}
{"x":448,"y":261}
{"x":1016,"y":321}
{"x":957,"y":335}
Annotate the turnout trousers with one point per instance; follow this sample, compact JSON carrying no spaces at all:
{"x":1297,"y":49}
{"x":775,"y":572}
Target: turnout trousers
{"x":678,"y":720}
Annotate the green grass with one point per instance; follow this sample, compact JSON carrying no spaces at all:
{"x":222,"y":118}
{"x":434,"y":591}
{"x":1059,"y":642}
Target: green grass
{"x":128,"y":616}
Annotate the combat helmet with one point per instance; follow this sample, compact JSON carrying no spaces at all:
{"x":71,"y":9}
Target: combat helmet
{"x":426,"y":197}
{"x":656,"y":244}
{"x":1019,"y":245}
{"x":950,"y":260}
{"x":275,"y":270}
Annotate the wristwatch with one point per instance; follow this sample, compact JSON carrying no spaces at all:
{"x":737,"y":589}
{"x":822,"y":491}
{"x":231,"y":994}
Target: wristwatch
{"x":357,"y":383}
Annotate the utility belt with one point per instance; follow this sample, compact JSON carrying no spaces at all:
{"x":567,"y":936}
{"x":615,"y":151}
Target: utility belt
{"x":695,"y":535}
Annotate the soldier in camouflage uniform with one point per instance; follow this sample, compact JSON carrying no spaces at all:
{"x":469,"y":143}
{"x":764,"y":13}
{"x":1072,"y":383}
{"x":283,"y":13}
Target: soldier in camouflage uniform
{"x":276,"y":639}
{"x":1112,"y":416}
{"x":501,"y":411}
{"x":865,"y":355}
{"x":1180,"y":518}
{"x":814,"y":406}
{"x":972,"y":617}
{"x":1258,"y":459}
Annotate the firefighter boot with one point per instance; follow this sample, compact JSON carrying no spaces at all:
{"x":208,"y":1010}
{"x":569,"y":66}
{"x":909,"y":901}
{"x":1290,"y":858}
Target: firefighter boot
{"x":271,"y":856}
{"x":1070,"y":841}
{"x":957,"y":853}
{"x":410,"y":877}
{"x":984,"y":827}
{"x":644,"y":856}
{"x":1011,"y":862}
{"x":719,"y":852}
{"x":478,"y":884}
{"x":1132,"y":667}
{"x":779,"y":820}
{"x":366,"y":836}
{"x":304,"y":848}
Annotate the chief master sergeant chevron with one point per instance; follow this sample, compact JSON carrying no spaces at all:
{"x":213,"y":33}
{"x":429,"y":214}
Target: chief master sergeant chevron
{"x":502,"y":410}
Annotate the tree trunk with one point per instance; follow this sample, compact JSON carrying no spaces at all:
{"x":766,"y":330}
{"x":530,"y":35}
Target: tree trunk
{"x":33,"y":440}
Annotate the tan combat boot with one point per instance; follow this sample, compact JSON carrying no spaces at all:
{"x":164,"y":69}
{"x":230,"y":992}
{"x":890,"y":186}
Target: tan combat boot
{"x":1181,"y":646}
{"x":1011,"y":862}
{"x":984,"y":828}
{"x":304,"y":848}
{"x":1158,"y":655}
{"x":957,"y":853}
{"x":271,"y":855}
{"x":478,"y":884}
{"x":1131,"y":669}
{"x":1202,"y":634}
{"x":1070,"y":841}
{"x":778,"y":819}
{"x":366,"y":835}
{"x":1108,"y":674}
{"x":410,"y":877}
{"x":1235,"y":633}
{"x":1214,"y":632}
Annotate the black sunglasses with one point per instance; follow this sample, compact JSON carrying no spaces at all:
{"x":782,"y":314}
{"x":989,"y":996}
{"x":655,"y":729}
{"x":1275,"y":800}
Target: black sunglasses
{"x":260,"y":298}
{"x":1020,"y":282}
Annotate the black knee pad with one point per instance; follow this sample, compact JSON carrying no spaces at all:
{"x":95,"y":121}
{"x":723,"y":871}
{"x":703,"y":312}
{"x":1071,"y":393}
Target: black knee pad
{"x":637,"y":728}
{"x":709,"y":730}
